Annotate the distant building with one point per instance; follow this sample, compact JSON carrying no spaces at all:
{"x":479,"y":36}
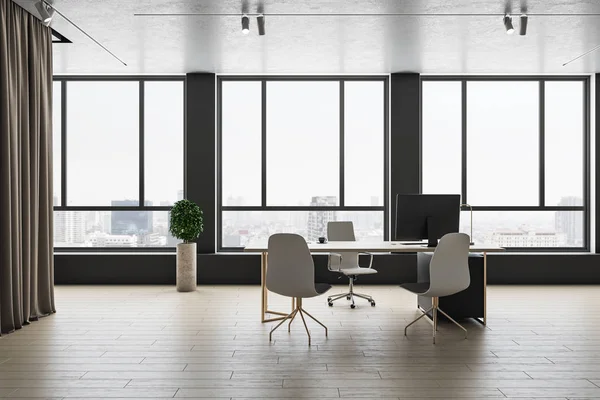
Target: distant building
{"x":101,"y":239}
{"x":69,"y":227}
{"x":106,"y":221}
{"x":525,"y":238}
{"x":134,"y":222}
{"x":317,"y":220}
{"x":152,"y":240}
{"x":570,"y":223}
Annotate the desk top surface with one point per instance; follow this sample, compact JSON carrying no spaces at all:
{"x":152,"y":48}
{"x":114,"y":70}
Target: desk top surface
{"x":261,"y":245}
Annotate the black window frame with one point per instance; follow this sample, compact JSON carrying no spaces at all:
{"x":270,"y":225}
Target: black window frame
{"x":541,"y":79}
{"x":64,"y":80}
{"x":264,"y":207}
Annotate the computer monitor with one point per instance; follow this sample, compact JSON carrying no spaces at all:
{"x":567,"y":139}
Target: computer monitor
{"x":426,"y":216}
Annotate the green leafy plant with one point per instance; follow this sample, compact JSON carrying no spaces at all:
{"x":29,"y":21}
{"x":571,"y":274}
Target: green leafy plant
{"x":186,"y":221}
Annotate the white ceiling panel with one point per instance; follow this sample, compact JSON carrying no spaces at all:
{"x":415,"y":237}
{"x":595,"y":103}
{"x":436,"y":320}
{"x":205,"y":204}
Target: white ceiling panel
{"x":325,"y":36}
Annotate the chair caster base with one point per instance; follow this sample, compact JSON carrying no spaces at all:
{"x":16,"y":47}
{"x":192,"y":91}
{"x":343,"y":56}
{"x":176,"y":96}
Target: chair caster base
{"x":350,"y":297}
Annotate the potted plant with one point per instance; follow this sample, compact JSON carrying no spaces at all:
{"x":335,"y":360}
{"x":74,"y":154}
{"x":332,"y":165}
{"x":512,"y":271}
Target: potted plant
{"x":186,"y":224}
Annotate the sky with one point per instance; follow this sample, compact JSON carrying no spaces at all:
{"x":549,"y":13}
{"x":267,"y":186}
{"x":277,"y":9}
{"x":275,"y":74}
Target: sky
{"x":303,"y":141}
{"x":503,"y":141}
{"x":103,"y":141}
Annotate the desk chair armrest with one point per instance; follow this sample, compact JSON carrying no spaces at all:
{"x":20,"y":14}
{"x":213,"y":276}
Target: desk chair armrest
{"x":370,"y":258}
{"x":333,"y":255}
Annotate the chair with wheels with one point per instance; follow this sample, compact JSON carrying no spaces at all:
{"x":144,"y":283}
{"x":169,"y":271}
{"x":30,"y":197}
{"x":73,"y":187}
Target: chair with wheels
{"x":448,"y":274}
{"x":291,"y":273}
{"x":346,"y":263}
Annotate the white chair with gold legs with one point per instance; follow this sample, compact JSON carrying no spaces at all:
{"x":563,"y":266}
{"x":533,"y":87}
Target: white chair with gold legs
{"x":448,"y":274}
{"x":291,"y":273}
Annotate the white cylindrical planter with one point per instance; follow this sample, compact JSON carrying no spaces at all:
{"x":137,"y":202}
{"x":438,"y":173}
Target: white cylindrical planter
{"x":186,"y":267}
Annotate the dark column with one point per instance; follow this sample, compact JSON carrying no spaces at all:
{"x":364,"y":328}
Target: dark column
{"x":405,"y":137}
{"x":199,"y":152}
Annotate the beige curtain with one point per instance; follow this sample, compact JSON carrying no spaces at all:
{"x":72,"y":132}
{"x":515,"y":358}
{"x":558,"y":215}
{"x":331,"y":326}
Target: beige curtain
{"x":26,"y":260}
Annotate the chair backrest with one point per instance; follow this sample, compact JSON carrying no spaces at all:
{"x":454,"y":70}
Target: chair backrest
{"x":340,"y":231}
{"x":449,"y":267}
{"x":290,"y":267}
{"x":343,"y":231}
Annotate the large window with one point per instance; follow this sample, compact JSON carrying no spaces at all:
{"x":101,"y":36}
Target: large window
{"x":298,"y":153}
{"x":118,"y":161}
{"x":516,"y":150}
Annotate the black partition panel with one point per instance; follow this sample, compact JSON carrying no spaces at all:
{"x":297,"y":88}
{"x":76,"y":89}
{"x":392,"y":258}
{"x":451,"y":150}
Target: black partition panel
{"x":405,"y":137}
{"x":200,"y":155}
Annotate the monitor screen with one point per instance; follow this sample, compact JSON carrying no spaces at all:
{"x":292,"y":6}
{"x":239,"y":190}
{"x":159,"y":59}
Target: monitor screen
{"x":426,"y":216}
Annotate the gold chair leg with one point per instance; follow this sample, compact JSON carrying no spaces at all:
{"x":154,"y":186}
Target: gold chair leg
{"x":279,"y":324}
{"x":434,"y":322}
{"x":420,"y":316}
{"x":455,"y":323}
{"x":305,"y":326}
{"x":291,"y":316}
{"x":292,"y":319}
{"x":314,"y":319}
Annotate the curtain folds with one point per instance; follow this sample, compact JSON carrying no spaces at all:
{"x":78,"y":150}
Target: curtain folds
{"x":26,"y":225}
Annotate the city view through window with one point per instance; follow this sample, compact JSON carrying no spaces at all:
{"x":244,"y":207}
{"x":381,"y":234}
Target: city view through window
{"x":241,"y":226}
{"x":310,"y":173}
{"x":503,"y":168}
{"x":103,"y":167}
{"x":324,"y":146}
{"x":112,"y":228}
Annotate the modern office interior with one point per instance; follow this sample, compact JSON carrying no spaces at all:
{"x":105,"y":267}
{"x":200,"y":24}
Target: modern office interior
{"x":299,"y":199}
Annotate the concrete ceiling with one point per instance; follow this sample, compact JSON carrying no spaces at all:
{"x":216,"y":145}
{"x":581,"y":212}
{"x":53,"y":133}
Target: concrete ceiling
{"x":325,"y":36}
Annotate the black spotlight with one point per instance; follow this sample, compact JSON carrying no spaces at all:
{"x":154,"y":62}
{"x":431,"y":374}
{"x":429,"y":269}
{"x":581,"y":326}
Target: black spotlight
{"x":260,"y":20}
{"x":245,"y":25}
{"x":523,"y":25}
{"x":46,"y":12}
{"x":508,"y":25}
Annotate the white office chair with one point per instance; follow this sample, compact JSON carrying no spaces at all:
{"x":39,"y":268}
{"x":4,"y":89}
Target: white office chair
{"x":291,"y":273}
{"x":448,"y":274}
{"x":346,"y":263}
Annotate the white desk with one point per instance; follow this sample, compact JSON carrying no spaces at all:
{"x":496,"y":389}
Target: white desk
{"x":261,"y":246}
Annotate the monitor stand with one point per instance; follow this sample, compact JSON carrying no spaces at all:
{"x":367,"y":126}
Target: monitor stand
{"x":432,"y":236}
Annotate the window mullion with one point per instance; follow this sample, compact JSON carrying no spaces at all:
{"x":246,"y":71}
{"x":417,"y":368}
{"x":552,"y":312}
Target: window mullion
{"x":264,"y":142}
{"x":141,"y":144}
{"x":542,"y":155}
{"x":464,"y":141}
{"x":63,"y":143}
{"x":342,"y":127}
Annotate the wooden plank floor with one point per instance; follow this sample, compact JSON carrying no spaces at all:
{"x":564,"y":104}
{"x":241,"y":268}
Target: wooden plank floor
{"x":152,"y":342}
